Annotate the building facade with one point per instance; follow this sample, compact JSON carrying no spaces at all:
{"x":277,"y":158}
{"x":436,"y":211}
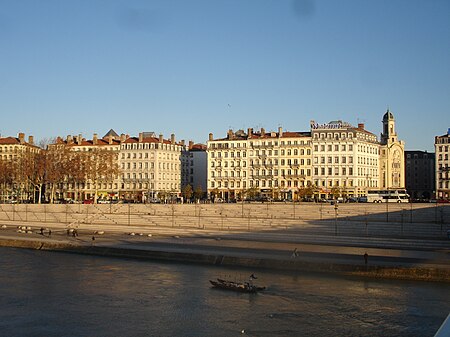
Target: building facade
{"x":420,"y":174}
{"x":150,"y":167}
{"x":16,"y":157}
{"x":334,"y":159}
{"x":442,"y":150}
{"x":144,"y":168}
{"x":194,"y":167}
{"x":272,"y":164}
{"x":392,"y":154}
{"x":345,"y":159}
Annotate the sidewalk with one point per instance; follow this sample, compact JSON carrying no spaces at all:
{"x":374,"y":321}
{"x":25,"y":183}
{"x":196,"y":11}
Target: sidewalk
{"x":239,"y":250}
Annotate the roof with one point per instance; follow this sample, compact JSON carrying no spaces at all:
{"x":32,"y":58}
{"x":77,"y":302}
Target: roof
{"x":9,"y":141}
{"x":15,"y":141}
{"x":132,"y":140}
{"x":388,"y":115}
{"x":267,"y":135}
{"x":198,"y":147}
{"x":84,"y":142}
{"x":111,"y":133}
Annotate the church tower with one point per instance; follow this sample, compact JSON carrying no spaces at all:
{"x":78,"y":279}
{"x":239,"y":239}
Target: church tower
{"x":389,"y":135}
{"x":392,"y":155}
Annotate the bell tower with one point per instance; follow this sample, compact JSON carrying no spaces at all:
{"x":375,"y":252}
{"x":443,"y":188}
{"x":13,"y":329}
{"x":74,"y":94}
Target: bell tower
{"x":392,"y":152}
{"x":389,"y":134}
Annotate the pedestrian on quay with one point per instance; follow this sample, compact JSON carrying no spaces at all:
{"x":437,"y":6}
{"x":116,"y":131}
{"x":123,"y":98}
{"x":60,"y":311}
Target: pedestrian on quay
{"x":42,"y":230}
{"x":366,"y":259}
{"x":49,"y":232}
{"x":93,"y":239}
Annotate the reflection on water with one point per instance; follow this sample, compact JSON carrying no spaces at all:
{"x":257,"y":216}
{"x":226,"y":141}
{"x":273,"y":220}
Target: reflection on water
{"x":55,"y":294}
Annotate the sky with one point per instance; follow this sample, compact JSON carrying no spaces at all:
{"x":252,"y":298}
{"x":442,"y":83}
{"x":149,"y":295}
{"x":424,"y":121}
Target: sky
{"x":191,"y":67}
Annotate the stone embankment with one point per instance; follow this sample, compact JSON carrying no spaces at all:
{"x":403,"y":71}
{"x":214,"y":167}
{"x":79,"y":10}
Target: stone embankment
{"x":403,"y":241}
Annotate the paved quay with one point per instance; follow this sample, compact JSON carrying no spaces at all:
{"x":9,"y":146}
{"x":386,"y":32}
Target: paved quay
{"x":406,"y":241}
{"x":398,"y":258}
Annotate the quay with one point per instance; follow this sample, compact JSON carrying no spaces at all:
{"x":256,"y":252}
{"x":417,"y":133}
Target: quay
{"x":405,"y":241}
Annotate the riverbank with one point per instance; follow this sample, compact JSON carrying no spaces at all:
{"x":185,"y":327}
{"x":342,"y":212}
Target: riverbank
{"x":249,"y":254}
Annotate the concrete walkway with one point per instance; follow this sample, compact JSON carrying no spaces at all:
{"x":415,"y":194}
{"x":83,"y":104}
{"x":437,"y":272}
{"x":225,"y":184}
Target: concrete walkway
{"x":311,"y":251}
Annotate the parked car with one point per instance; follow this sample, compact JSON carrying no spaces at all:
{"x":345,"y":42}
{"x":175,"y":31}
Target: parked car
{"x":362,"y":199}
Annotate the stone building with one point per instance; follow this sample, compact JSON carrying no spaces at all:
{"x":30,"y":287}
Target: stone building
{"x":13,"y":154}
{"x":334,"y":159}
{"x":194,"y":163}
{"x":150,"y":167}
{"x":392,"y":154}
{"x":270,"y":164}
{"x":420,"y":174}
{"x":87,"y":189}
{"x":442,"y":149}
{"x":345,"y":159}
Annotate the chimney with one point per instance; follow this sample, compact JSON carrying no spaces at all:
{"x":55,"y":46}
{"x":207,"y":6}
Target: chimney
{"x":191,"y":144}
{"x":361,"y":126}
{"x":123,"y":138}
{"x":79,"y":139}
{"x":249,"y":132}
{"x":230,"y":134}
{"x":110,"y":139}
{"x":263,"y":132}
{"x":172,"y":138}
{"x":141,"y":137}
{"x":182,"y":142}
{"x":160,"y":138}
{"x":21,"y":138}
{"x":94,"y":139}
{"x":31,"y":140}
{"x":211,"y":136}
{"x":280,"y":131}
{"x":69,"y":139}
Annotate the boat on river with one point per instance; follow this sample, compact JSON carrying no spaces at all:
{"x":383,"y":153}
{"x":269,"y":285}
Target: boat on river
{"x":243,"y":287}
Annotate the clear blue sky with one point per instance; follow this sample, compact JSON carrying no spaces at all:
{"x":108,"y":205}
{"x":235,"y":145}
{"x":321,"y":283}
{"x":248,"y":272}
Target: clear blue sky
{"x":191,"y":67}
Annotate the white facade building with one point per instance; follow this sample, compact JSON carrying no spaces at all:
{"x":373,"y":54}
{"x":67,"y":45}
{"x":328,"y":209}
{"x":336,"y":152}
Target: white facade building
{"x":273,"y":164}
{"x":345,"y":158}
{"x":442,"y":148}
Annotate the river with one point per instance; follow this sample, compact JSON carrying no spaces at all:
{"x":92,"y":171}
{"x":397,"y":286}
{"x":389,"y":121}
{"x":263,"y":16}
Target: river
{"x":60,"y":294}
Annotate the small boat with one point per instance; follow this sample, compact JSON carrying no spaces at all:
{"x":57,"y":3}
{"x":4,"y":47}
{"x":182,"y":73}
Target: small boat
{"x":244,"y":287}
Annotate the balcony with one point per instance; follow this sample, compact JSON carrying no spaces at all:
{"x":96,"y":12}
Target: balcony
{"x":298,"y":176}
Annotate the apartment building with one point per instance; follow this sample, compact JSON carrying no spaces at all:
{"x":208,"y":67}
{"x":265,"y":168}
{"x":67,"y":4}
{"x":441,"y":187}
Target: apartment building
{"x":194,"y":167}
{"x":275,"y":164}
{"x":150,"y":167}
{"x":80,"y":186}
{"x":345,"y":159}
{"x":333,"y":158}
{"x":420,"y":174}
{"x":442,"y":150}
{"x":14,"y":152}
{"x":140,"y":168}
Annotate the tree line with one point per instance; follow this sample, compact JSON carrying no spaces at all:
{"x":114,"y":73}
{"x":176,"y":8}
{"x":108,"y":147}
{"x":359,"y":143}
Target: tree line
{"x":35,"y":176}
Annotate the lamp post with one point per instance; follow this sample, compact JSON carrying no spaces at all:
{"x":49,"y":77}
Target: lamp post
{"x":335,"y":218}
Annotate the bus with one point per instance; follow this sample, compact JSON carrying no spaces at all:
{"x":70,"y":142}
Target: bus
{"x":392,"y":195}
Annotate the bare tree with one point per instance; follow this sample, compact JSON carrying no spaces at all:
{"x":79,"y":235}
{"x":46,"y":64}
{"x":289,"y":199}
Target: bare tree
{"x":187,"y":192}
{"x":101,"y":166}
{"x":198,"y":192}
{"x":6,"y":178}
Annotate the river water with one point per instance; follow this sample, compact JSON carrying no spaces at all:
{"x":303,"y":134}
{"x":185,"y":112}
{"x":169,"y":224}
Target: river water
{"x":59,"y":294}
